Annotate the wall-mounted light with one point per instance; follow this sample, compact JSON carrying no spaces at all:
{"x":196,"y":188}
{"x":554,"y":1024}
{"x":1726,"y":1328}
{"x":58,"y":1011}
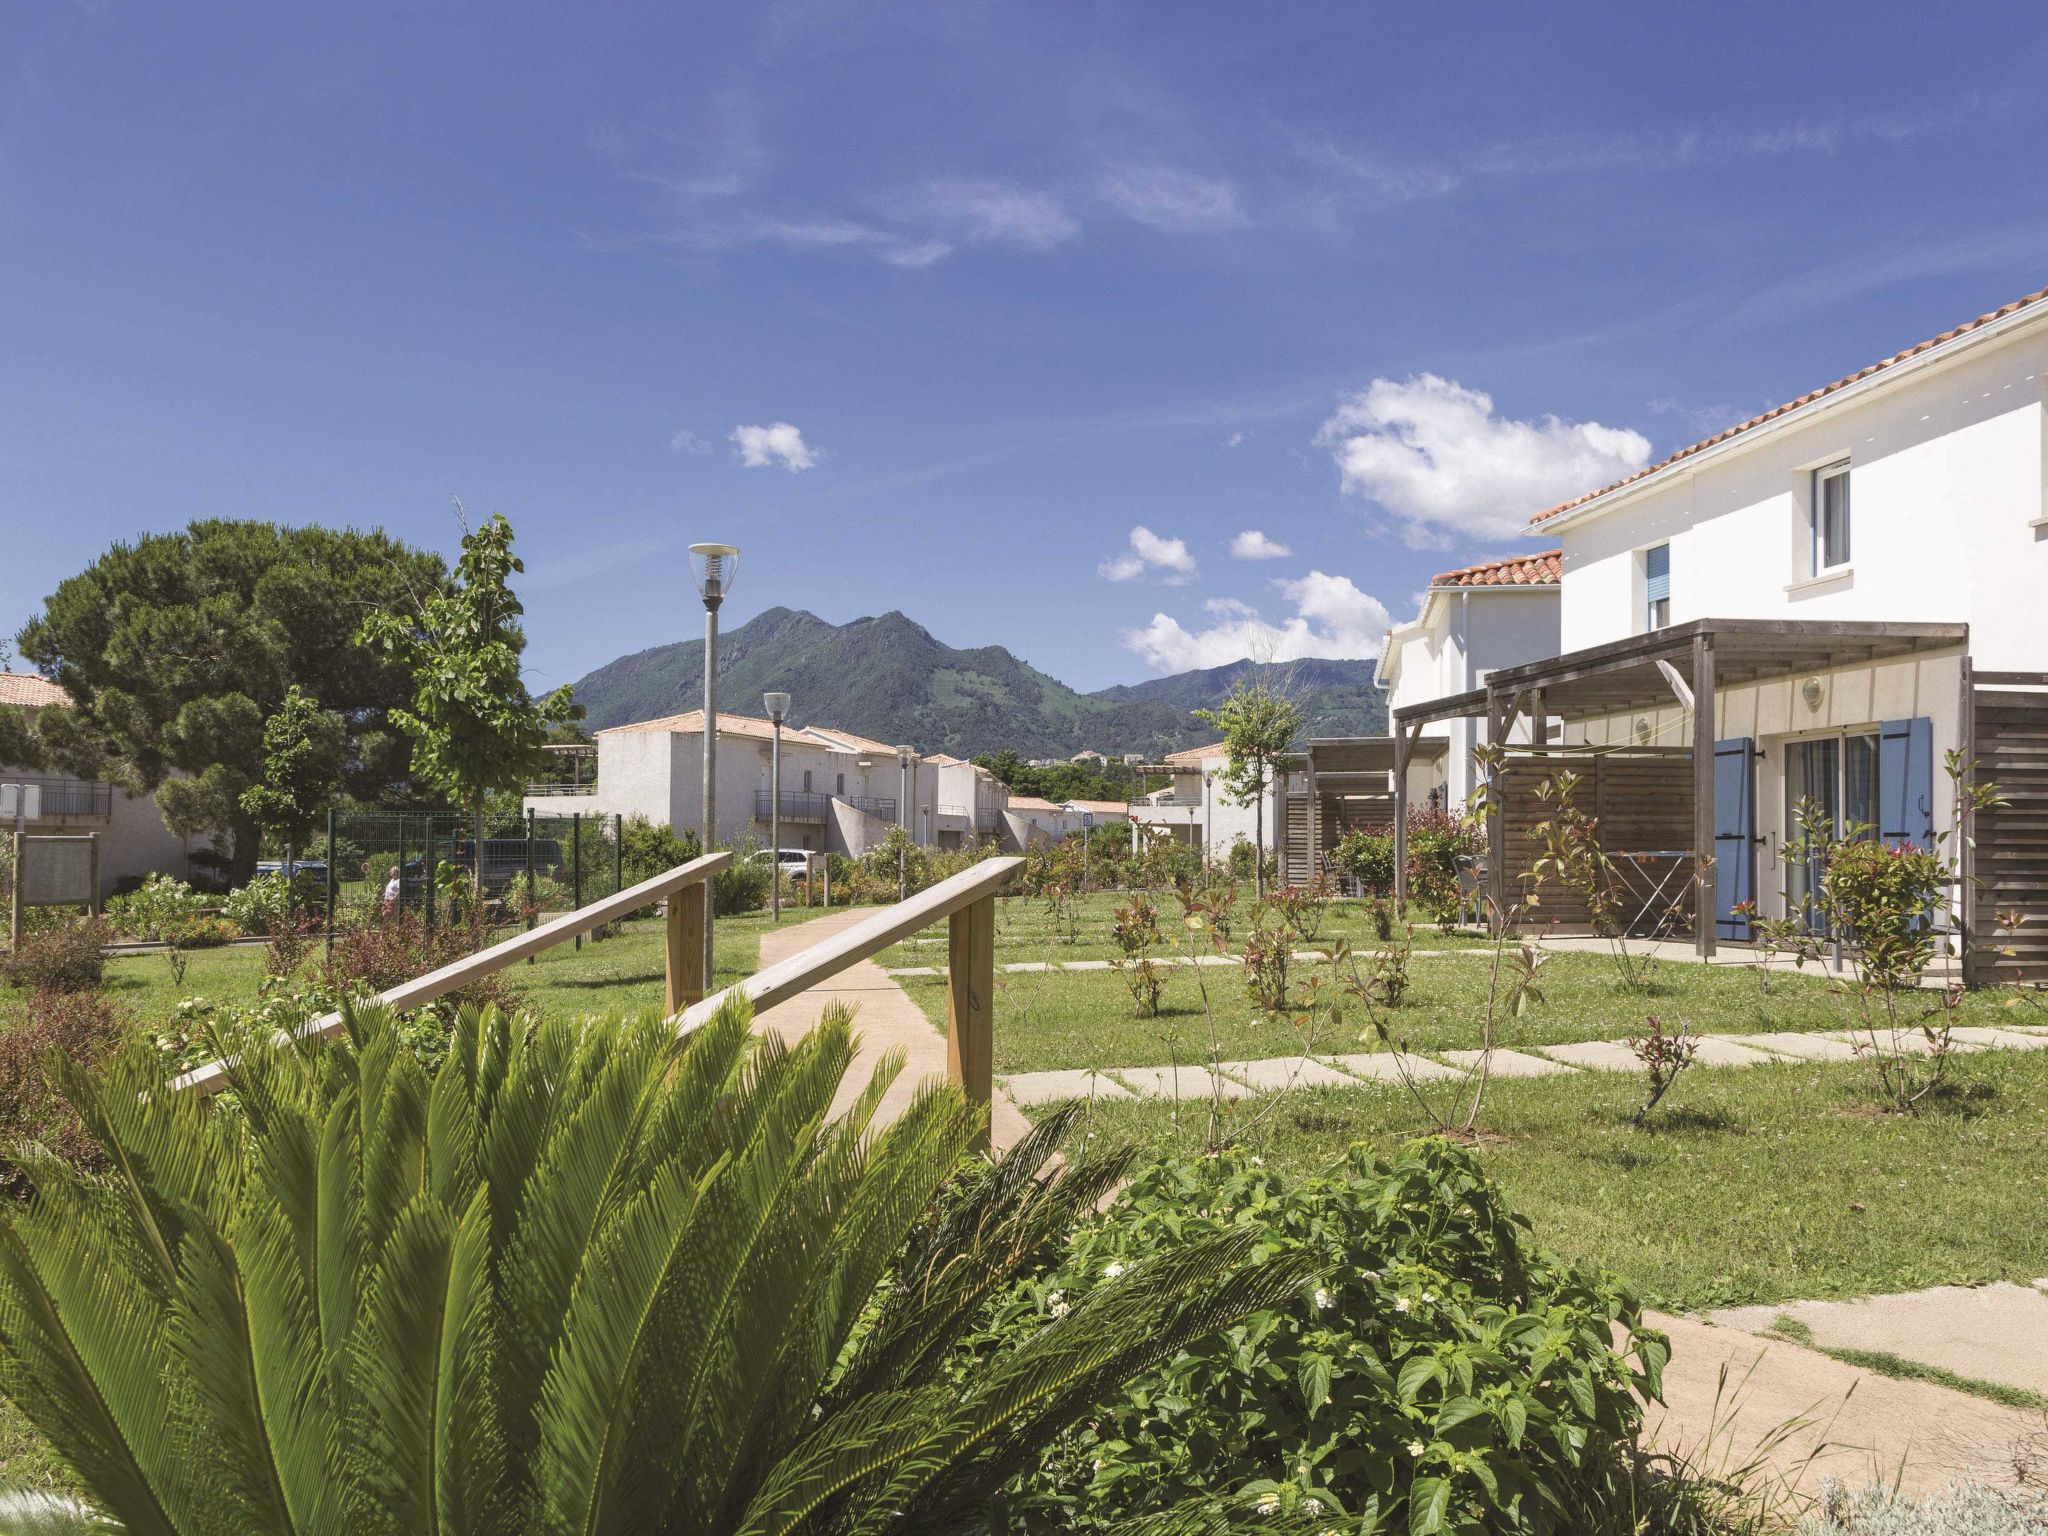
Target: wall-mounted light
{"x":1643,"y":730}
{"x":1811,"y":691}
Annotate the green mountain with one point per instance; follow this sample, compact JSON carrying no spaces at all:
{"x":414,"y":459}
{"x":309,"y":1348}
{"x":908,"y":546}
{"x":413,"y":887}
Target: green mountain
{"x":888,"y":678}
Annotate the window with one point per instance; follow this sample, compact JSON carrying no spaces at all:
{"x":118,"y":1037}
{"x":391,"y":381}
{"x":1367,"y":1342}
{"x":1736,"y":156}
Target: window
{"x":839,"y":784}
{"x":807,"y":781}
{"x":1830,"y":518}
{"x":1657,"y":586}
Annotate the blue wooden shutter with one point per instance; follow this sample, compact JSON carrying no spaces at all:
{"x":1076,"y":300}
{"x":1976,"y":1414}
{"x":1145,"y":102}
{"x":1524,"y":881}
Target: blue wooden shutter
{"x":1657,"y":573}
{"x":1734,"y":834}
{"x":1905,"y":782}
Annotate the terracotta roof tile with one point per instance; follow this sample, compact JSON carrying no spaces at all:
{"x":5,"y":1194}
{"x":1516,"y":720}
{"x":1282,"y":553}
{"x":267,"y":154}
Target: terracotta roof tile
{"x":1031,"y":803}
{"x":1545,"y":569}
{"x":1806,"y":399}
{"x":24,"y":690}
{"x":1194,"y":756}
{"x":691,"y":721}
{"x":1100,"y":807}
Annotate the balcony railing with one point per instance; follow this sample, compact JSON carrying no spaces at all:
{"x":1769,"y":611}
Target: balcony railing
{"x":884,"y":810}
{"x":957,"y":811}
{"x":73,"y":799}
{"x":561,"y":789}
{"x":986,"y":818}
{"x":797,"y":805}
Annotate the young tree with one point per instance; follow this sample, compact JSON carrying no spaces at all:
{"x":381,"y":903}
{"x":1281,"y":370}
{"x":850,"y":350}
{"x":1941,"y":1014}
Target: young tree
{"x":1259,"y":724}
{"x":304,"y":748}
{"x":474,"y":727}
{"x":176,"y":648}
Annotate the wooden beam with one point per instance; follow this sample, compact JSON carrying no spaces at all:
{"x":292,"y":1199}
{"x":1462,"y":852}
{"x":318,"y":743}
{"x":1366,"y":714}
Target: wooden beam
{"x":1500,"y":721}
{"x":970,"y":1004}
{"x":1703,"y":794}
{"x":1966,"y":836}
{"x":458,"y":974}
{"x":686,"y":982}
{"x":1403,"y":735}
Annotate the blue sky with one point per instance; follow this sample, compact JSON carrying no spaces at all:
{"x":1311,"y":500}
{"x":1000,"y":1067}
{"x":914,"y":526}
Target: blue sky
{"x":1014,"y":318}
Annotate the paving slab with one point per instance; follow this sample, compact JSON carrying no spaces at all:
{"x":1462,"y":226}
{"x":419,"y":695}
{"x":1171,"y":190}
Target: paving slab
{"x":1907,"y":1042}
{"x":1279,"y":1073}
{"x":1187,"y":1083}
{"x":1986,"y":1332}
{"x":2000,"y":1038}
{"x":1726,"y":1393}
{"x":1506,"y":1063}
{"x":1799,"y":1046}
{"x":1724,"y":1051}
{"x":1057,"y":1087}
{"x":1084,"y":965}
{"x":914,"y":970}
{"x":1385,"y":1067}
{"x":1028,"y":965}
{"x":1595,"y":1055}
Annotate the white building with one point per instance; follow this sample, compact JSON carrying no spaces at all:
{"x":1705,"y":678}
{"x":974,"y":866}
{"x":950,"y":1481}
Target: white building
{"x":967,"y":801}
{"x":134,"y":842}
{"x":1199,"y":809}
{"x":1472,"y":622}
{"x":1855,"y":581}
{"x":840,"y":793}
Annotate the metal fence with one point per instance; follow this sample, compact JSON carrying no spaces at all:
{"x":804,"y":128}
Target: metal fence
{"x":389,"y":863}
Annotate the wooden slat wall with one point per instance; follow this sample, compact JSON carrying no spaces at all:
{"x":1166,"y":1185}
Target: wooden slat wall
{"x":1294,"y":859}
{"x":1643,"y":799}
{"x":2011,"y":750}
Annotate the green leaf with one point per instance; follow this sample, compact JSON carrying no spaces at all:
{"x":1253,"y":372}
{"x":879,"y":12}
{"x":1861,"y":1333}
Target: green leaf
{"x":1313,"y":1377}
{"x":1416,"y":1374}
{"x":1429,"y":1503}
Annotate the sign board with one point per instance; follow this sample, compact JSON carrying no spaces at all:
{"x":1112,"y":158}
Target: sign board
{"x":21,"y":802}
{"x":1087,"y":818}
{"x":58,"y":872}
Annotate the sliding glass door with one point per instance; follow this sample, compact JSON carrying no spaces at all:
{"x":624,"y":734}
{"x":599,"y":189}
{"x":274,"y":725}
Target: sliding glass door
{"x":1837,"y":776}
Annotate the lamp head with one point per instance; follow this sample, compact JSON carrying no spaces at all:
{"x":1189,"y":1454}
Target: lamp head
{"x":777,"y":705}
{"x":904,"y":755}
{"x":714,"y":566}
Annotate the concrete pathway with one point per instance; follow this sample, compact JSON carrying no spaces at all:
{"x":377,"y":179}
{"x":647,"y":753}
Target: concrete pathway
{"x":885,"y":1019}
{"x":1027,"y":967}
{"x":1279,"y":1073}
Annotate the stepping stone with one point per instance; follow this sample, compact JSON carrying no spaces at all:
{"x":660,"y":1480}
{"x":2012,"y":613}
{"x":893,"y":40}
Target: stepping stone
{"x":1723,"y":1051}
{"x":1085,"y":965}
{"x":1595,"y":1055}
{"x":1379,"y":1067}
{"x":1028,"y":965}
{"x":1505,"y":1063}
{"x":2000,"y":1039}
{"x":1055,"y":1087}
{"x":1283,"y":1072}
{"x":1907,"y":1042}
{"x":913,"y":970}
{"x":1185,"y":1083}
{"x":1797,"y":1046}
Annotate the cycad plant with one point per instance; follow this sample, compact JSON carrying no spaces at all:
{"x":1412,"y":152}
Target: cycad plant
{"x":588,"y":1278}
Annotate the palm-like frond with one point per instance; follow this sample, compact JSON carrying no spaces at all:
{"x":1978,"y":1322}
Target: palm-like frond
{"x":589,"y":1278}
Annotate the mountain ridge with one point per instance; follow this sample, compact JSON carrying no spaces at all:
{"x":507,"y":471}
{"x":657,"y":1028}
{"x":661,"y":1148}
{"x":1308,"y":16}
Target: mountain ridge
{"x":888,"y":677}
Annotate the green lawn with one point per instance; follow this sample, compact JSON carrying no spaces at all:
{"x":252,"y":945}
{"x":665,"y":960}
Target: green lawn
{"x":1086,"y":1019}
{"x":1766,"y":1184}
{"x":1027,"y":930}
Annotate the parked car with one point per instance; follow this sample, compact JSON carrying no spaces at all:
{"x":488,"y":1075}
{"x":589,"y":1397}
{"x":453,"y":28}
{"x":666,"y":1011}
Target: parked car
{"x":311,"y":869}
{"x":794,"y":863}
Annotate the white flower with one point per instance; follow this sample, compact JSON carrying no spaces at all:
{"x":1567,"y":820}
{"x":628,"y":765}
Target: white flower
{"x":1312,"y":1504}
{"x":1111,"y":1271}
{"x":1059,"y":1310}
{"x":1429,"y":1295}
{"x":1324,"y":1300}
{"x":1415,"y":1447}
{"x":1368,"y":1274}
{"x":1400,"y":1303}
{"x":1270,"y":1504}
{"x":1054,"y":1298}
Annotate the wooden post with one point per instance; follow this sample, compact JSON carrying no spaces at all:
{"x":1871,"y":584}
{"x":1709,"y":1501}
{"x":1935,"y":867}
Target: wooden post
{"x":970,"y":1004}
{"x":14,"y":903}
{"x":1966,"y":834}
{"x":687,"y":982}
{"x":92,"y":900}
{"x":1500,"y":724}
{"x":1703,"y":793}
{"x":1402,"y":741}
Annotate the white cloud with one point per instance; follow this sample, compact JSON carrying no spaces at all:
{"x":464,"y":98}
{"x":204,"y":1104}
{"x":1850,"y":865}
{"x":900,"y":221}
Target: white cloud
{"x":1254,"y":545}
{"x":1433,"y":454}
{"x":1237,"y":439}
{"x":763,"y":447}
{"x":980,"y":212}
{"x":1174,"y":200}
{"x":686,"y":441}
{"x":1151,"y":551}
{"x":1331,"y":618}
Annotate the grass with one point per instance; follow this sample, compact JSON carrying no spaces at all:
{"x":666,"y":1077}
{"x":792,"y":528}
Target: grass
{"x":1056,"y":1019}
{"x":1760,"y":1185}
{"x":1881,"y":1362}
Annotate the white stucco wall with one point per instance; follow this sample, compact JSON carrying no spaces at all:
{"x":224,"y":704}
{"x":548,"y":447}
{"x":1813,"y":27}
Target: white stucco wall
{"x":1946,"y":485}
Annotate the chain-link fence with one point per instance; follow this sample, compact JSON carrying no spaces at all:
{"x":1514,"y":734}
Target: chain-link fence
{"x":423,"y":864}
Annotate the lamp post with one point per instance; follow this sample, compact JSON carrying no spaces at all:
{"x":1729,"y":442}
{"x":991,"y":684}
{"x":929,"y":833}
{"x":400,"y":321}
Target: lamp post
{"x":905,"y":756}
{"x":714,"y":566}
{"x":777,"y":705}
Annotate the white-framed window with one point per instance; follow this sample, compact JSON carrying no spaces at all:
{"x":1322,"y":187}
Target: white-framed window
{"x":1656,"y":587}
{"x":1829,"y":517}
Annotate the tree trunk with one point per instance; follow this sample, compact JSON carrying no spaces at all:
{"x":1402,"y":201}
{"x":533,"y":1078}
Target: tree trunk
{"x":1259,"y":837}
{"x":245,"y":847}
{"x":476,"y":894}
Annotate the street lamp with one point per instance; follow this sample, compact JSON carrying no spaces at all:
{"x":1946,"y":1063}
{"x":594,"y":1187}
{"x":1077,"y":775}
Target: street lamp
{"x":714,"y":566}
{"x":777,"y":705}
{"x":905,"y":757}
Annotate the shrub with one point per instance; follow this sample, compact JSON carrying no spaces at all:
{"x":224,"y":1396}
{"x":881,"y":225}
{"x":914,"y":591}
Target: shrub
{"x":586,"y":1278}
{"x":80,"y":1027}
{"x":61,"y":959}
{"x":375,"y":957}
{"x":1959,"y":1509}
{"x":1367,"y":856}
{"x":160,"y":902}
{"x":1443,"y":1375}
{"x":1136,"y":932}
{"x":742,"y":886}
{"x":1436,"y":841}
{"x":647,"y":850}
{"x":199,"y":933}
{"x":270,"y":903}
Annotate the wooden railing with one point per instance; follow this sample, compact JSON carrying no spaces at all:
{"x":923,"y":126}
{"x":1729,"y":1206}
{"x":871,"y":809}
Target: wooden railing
{"x":968,"y":902}
{"x":686,"y":888}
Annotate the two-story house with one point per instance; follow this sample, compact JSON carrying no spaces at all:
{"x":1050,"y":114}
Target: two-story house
{"x":1811,"y":609}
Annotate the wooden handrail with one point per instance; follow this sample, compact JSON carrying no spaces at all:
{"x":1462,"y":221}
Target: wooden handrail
{"x":805,"y":969}
{"x":684,"y":886}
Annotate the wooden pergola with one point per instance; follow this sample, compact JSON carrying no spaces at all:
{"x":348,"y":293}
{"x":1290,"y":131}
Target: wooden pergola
{"x":1354,"y":771}
{"x":1684,"y":663}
